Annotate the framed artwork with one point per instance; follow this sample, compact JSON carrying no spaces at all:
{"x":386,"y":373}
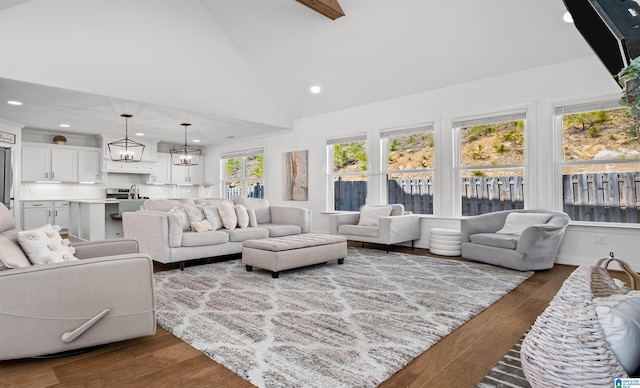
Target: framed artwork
{"x":295,"y":179}
{"x":6,"y":137}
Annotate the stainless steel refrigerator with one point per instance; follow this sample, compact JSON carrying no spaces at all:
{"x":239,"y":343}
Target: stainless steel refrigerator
{"x":6,"y":176}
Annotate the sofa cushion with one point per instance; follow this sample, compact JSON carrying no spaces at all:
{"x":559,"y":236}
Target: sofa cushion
{"x":11,"y":255}
{"x":213,"y":237}
{"x":212,"y":215}
{"x":242,"y":215}
{"x":498,"y":240}
{"x":44,"y":245}
{"x":183,"y":216}
{"x":227,"y":215}
{"x":517,"y":222}
{"x":359,"y":230}
{"x":369,"y":215}
{"x":279,"y":230}
{"x":259,"y":205}
{"x":194,"y":212}
{"x":253,"y":222}
{"x":397,"y":209}
{"x":244,"y":234}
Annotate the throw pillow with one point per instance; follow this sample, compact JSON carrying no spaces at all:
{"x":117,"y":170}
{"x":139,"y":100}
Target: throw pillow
{"x":369,"y":215}
{"x":201,"y":226}
{"x":253,"y":221}
{"x":184,"y":217}
{"x":44,"y":245}
{"x":516,"y":223}
{"x":212,"y":215}
{"x":619,"y":317}
{"x":242,"y":215}
{"x":228,"y":215}
{"x":194,"y":212}
{"x":11,"y":255}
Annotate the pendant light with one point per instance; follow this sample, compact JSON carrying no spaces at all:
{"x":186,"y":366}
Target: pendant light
{"x":185,"y":155}
{"x":126,"y":150}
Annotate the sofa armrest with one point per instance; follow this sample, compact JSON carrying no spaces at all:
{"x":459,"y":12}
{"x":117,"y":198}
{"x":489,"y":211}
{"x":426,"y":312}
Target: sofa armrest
{"x":543,"y":240}
{"x":395,"y":229}
{"x":335,"y":220}
{"x":41,"y":303}
{"x":291,"y":215}
{"x":111,"y":247}
{"x":154,"y":230}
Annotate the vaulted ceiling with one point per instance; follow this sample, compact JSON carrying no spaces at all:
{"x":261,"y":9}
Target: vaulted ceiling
{"x":244,"y":67}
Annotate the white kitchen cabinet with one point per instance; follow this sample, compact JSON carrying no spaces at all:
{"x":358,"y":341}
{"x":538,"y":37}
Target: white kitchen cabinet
{"x":89,"y":166}
{"x":188,"y":175}
{"x":36,"y":214}
{"x":161,"y":170}
{"x":42,"y":163}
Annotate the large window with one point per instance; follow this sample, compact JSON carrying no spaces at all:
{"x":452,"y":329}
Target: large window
{"x":600,"y":162}
{"x":491,"y":163}
{"x":408,"y":162}
{"x":347,"y":172}
{"x":243,"y":174}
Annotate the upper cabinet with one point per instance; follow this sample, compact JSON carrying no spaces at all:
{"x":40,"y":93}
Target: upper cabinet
{"x":161,"y":174}
{"x":188,"y":175}
{"x":45,"y":162}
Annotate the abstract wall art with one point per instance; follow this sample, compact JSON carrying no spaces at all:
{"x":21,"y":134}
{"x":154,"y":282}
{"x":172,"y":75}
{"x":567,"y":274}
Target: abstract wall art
{"x":295,"y":179}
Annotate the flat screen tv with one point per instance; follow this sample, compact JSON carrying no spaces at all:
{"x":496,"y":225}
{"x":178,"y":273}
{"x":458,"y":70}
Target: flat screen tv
{"x":611,"y":27}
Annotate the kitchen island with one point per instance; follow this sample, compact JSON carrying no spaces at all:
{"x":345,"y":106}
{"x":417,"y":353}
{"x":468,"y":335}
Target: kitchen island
{"x":91,"y":220}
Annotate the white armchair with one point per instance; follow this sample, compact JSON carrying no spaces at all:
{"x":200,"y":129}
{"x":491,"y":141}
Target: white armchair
{"x":369,"y":226}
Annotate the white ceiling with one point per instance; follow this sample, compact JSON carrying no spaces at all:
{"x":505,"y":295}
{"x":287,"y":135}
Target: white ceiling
{"x":244,"y":67}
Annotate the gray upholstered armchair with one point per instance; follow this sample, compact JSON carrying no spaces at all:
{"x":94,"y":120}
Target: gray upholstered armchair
{"x":534,"y":248}
{"x":395,"y":227}
{"x":106,"y":296}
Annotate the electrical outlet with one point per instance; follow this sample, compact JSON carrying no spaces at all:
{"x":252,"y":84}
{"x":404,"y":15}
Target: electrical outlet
{"x":601,"y":239}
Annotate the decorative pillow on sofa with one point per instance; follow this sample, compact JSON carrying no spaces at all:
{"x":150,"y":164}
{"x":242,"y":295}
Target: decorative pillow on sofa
{"x":516,"y":223}
{"x":44,"y":245}
{"x":253,"y":220}
{"x":194,"y":212}
{"x":201,"y":226}
{"x":369,"y":215}
{"x":184,"y":217}
{"x":242,"y":215}
{"x":212,"y":215}
{"x":228,"y":215}
{"x":10,"y":253}
{"x":619,"y":317}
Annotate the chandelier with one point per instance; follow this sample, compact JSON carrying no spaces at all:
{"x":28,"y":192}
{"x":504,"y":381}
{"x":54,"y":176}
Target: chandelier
{"x":185,"y":155}
{"x":126,"y":150}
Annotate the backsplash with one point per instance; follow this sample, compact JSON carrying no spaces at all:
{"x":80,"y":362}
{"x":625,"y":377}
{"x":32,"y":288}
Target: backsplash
{"x":63,"y":191}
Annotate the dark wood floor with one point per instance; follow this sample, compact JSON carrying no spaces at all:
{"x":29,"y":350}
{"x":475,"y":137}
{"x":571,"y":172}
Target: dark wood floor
{"x":461,"y":359}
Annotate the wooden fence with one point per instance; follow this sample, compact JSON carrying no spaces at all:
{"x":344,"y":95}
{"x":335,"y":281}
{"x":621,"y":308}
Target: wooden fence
{"x":487,"y":195}
{"x":612,"y":197}
{"x":256,"y":191}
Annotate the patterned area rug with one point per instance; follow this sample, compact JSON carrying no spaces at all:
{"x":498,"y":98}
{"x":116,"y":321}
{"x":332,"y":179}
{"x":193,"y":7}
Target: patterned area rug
{"x":508,"y":372}
{"x":328,"y":325}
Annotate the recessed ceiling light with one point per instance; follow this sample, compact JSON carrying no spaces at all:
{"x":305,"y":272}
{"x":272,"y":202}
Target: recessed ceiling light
{"x":12,"y":102}
{"x":65,"y":125}
{"x":139,"y":134}
{"x":567,"y":17}
{"x":196,"y":140}
{"x":315,"y":89}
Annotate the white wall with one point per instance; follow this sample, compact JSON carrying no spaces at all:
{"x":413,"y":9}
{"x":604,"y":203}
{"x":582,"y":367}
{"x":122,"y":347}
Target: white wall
{"x":536,"y":90}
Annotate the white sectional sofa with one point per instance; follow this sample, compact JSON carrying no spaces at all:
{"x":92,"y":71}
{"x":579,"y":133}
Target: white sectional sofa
{"x":163,"y":235}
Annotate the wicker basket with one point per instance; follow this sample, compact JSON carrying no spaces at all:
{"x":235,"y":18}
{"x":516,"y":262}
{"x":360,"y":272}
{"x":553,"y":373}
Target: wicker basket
{"x":566,"y":345}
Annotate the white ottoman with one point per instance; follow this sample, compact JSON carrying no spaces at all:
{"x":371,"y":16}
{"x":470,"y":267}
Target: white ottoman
{"x":445,"y":242}
{"x":279,"y":253}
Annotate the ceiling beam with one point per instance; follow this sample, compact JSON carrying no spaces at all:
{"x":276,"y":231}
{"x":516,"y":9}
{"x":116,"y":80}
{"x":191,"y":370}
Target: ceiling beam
{"x":329,"y":8}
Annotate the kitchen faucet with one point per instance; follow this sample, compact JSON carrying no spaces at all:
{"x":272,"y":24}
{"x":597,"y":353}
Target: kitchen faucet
{"x":133,"y":192}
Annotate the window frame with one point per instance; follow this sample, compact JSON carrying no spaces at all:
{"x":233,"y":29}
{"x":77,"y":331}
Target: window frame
{"x":244,"y":191}
{"x":360,"y":137}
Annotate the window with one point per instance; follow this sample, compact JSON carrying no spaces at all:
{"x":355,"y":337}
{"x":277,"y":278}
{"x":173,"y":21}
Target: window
{"x":408,"y":161}
{"x":243,"y":174}
{"x":347,"y":159}
{"x":600,"y":162}
{"x":491,"y":163}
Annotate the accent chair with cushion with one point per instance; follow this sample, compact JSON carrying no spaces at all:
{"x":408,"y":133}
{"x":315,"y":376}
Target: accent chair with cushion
{"x":380,"y":224}
{"x":523,"y":240}
{"x":95,"y":293}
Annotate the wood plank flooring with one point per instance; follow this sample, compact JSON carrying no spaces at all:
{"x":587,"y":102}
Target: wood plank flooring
{"x":461,"y":359}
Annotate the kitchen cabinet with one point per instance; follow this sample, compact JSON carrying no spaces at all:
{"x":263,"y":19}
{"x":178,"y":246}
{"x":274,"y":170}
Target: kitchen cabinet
{"x":44,"y":163}
{"x":161,"y":170}
{"x":89,"y":166}
{"x":188,"y":175}
{"x":38,"y":213}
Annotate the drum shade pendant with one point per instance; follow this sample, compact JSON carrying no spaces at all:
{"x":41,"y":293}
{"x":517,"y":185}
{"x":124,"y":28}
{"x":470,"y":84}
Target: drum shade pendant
{"x":126,"y":150}
{"x":185,"y":155}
